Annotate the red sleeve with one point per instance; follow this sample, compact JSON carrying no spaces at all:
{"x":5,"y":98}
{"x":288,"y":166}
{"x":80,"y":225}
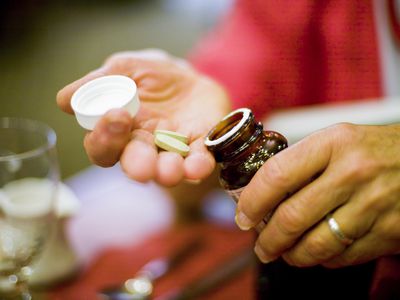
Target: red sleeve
{"x":277,"y":54}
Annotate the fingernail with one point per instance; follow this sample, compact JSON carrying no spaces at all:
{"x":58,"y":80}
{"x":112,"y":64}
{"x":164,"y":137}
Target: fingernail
{"x":261,"y":254}
{"x":243,"y":221}
{"x":193,"y":181}
{"x":117,"y":127}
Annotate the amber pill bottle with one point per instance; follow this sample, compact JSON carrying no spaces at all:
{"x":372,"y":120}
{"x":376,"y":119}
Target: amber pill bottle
{"x":240,"y":146}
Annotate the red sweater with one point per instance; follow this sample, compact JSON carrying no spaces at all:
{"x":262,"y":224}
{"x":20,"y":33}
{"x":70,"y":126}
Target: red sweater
{"x":278,"y":54}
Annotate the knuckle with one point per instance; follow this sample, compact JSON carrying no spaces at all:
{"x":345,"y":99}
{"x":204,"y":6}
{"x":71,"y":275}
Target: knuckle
{"x":296,"y":261}
{"x":60,"y":96}
{"x":316,"y":247}
{"x":145,"y":54}
{"x":269,"y":250}
{"x":354,"y":168}
{"x":274,"y":172}
{"x":288,"y":219}
{"x":373,"y":203}
{"x":360,"y":162}
{"x":385,"y":227}
{"x":117,"y":56}
{"x":155,"y":53}
{"x":250,"y":204}
{"x":344,"y":131}
{"x":360,"y":167}
{"x":290,"y":259}
{"x":343,"y":261}
{"x":121,"y":62}
{"x":102,"y":159}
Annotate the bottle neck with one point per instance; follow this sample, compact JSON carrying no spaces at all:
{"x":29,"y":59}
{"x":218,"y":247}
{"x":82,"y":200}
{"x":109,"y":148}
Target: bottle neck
{"x":233,"y":135}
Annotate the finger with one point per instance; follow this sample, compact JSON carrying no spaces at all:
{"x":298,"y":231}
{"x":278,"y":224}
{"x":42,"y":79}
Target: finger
{"x":366,"y":249}
{"x":281,"y":175}
{"x":169,"y":168}
{"x":301,"y":211}
{"x":106,"y":142}
{"x":321,"y":244}
{"x":199,"y":164}
{"x":382,"y":239}
{"x":139,"y":159}
{"x":170,"y":165}
{"x":65,"y":94}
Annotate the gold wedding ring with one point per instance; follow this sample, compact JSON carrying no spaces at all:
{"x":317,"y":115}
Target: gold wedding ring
{"x":337,"y":232}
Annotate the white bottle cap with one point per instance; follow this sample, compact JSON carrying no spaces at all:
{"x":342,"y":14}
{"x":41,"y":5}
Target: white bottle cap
{"x":93,"y":99}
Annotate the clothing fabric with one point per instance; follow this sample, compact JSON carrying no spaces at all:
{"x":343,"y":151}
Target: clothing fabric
{"x":281,"y":54}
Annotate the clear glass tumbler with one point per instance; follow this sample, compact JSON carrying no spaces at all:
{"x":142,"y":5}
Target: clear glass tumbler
{"x":29,"y":176}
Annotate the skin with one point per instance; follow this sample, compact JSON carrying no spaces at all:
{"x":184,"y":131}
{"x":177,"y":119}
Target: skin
{"x":350,"y":171}
{"x":173,"y":97}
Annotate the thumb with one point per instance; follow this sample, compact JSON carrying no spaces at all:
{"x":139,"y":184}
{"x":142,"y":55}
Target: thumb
{"x":65,"y":94}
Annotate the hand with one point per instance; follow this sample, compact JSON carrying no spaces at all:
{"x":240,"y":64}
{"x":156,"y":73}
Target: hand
{"x":352,"y":172}
{"x":173,"y":97}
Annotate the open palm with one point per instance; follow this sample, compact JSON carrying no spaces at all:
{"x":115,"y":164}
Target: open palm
{"x":173,"y":97}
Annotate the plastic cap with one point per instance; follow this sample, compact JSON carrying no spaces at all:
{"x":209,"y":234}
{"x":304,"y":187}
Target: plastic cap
{"x":93,"y":99}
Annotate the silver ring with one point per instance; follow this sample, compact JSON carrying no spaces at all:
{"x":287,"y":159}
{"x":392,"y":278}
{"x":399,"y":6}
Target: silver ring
{"x":337,"y":232}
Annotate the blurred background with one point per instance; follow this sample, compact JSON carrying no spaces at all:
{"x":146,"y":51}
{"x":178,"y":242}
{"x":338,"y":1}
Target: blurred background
{"x":46,"y":44}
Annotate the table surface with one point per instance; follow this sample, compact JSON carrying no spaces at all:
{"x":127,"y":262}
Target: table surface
{"x":114,"y":266}
{"x":220,"y":244}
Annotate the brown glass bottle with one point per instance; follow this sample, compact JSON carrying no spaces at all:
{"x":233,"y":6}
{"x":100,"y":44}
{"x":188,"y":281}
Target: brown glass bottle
{"x":241,"y":146}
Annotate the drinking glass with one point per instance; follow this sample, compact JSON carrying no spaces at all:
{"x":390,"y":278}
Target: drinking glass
{"x":29,"y":176}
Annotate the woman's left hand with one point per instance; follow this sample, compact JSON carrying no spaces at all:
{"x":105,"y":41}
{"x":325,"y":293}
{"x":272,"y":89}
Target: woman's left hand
{"x":349,"y":171}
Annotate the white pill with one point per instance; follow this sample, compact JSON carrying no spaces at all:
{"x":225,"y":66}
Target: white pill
{"x":176,"y":135}
{"x":168,"y":143}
